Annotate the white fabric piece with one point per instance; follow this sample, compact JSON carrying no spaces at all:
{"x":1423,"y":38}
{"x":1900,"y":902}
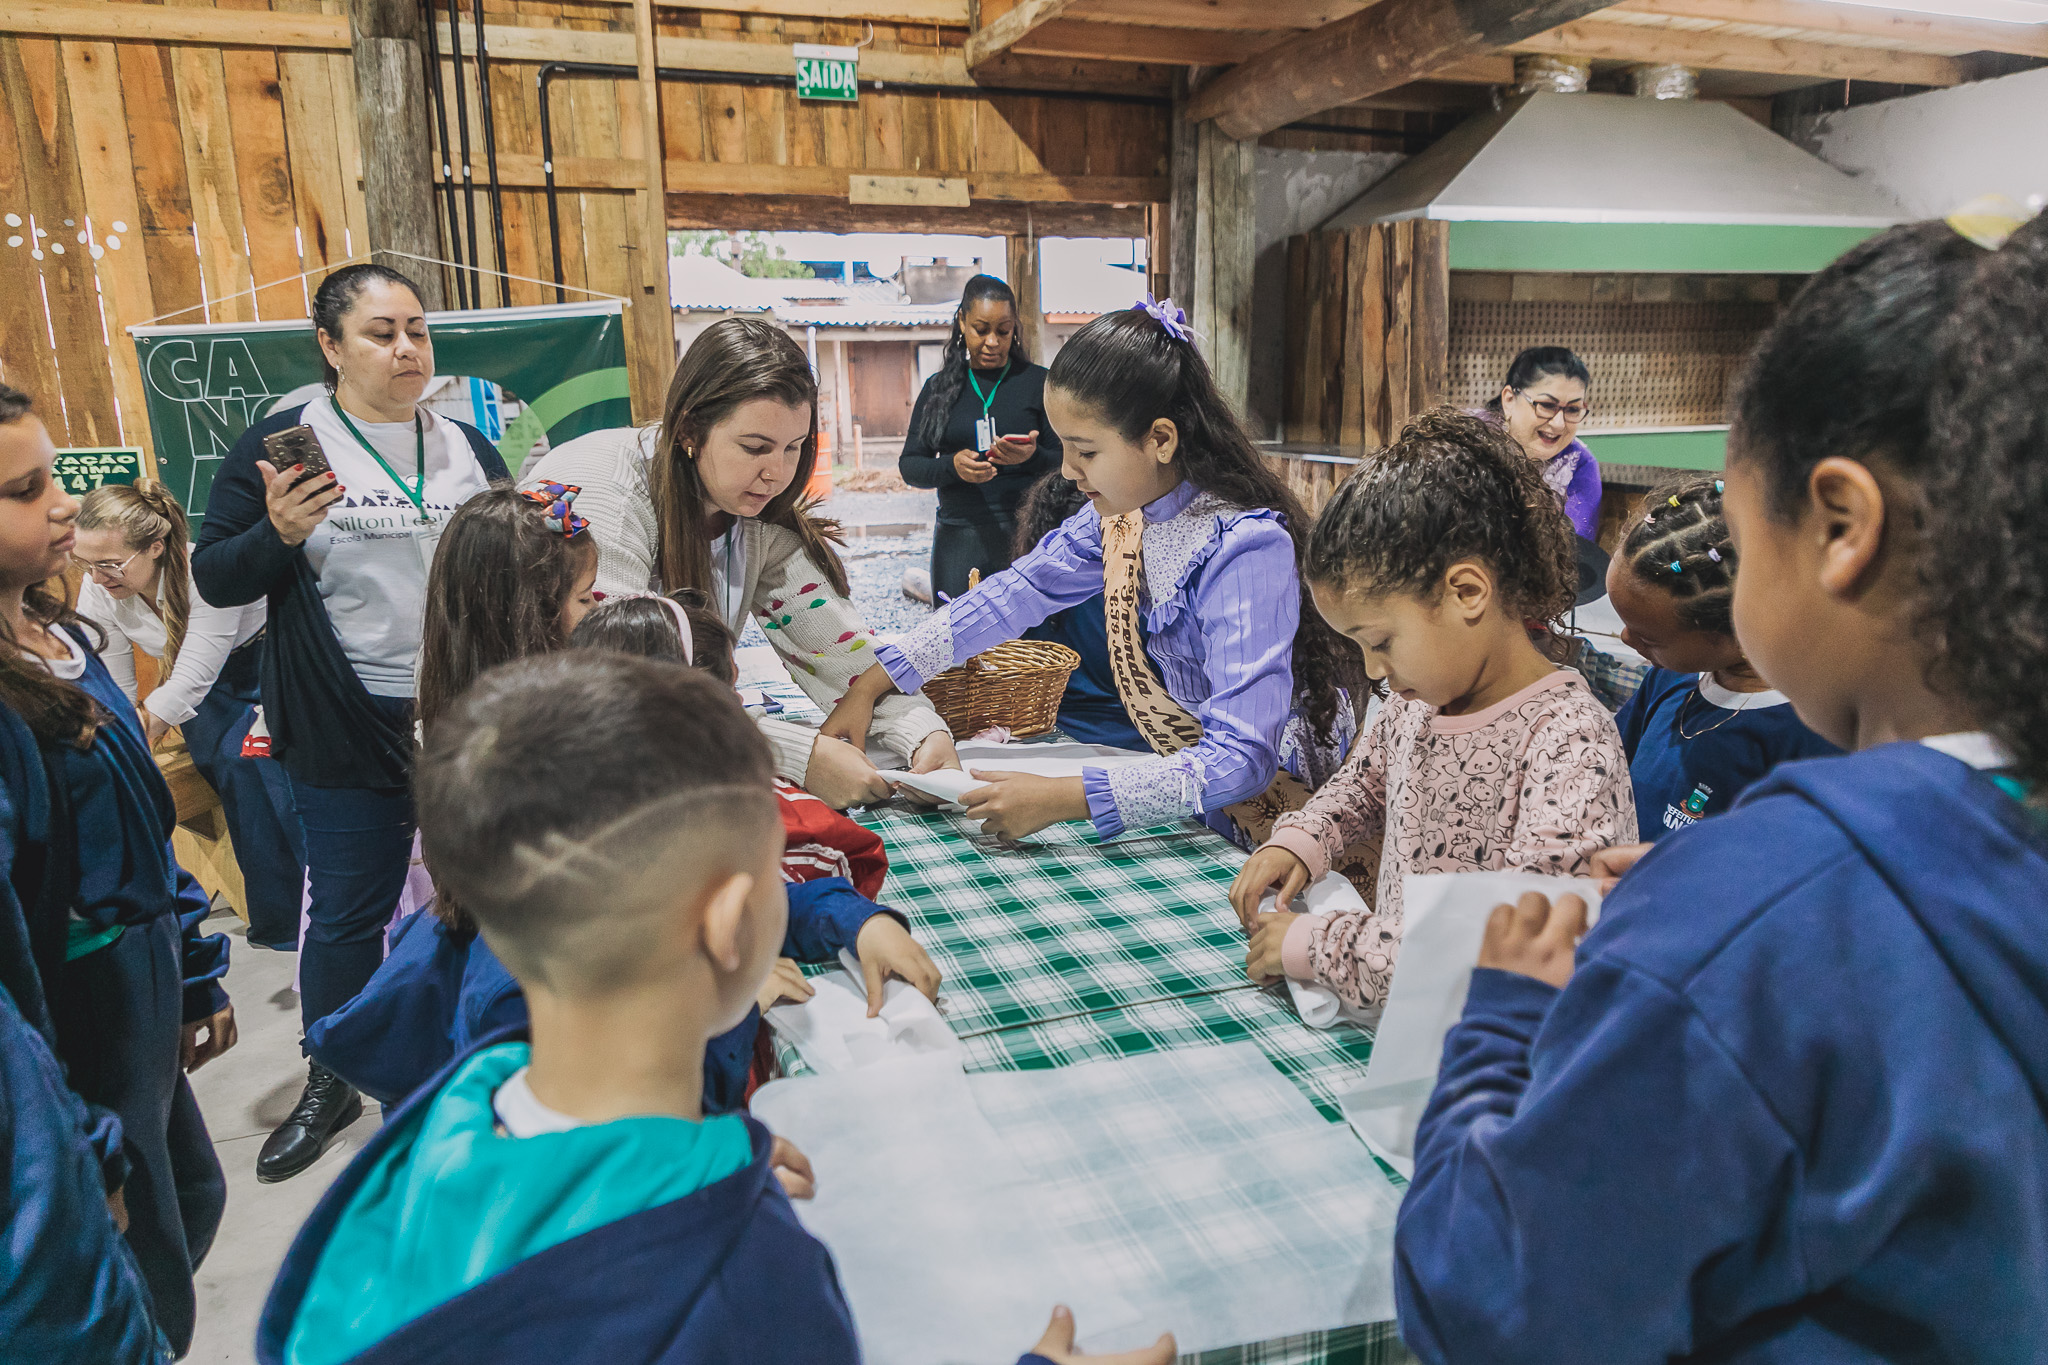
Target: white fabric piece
{"x":929,"y":1215}
{"x":1444,"y":917}
{"x":1978,"y":748}
{"x":1194,"y":1189}
{"x":523,"y":1115}
{"x":372,"y":552}
{"x":1040,"y":760}
{"x":833,"y":1032}
{"x":1318,"y":1005}
{"x":211,"y":634}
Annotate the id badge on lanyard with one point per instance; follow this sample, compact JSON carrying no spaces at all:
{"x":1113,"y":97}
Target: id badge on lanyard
{"x":427,"y":539}
{"x":984,"y":435}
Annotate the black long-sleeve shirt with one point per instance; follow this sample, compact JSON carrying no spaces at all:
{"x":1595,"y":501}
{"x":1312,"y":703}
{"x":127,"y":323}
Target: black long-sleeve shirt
{"x":1019,"y":406}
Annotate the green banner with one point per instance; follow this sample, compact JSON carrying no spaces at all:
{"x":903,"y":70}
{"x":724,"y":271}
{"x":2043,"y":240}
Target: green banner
{"x":207,"y":384}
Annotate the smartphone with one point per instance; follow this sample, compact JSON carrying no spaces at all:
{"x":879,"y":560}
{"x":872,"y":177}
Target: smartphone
{"x":294,"y":446}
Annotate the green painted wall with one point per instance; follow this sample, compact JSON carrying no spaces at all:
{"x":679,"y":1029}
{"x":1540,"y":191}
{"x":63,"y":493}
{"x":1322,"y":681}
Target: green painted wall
{"x":1626,"y":248}
{"x":1661,"y":449}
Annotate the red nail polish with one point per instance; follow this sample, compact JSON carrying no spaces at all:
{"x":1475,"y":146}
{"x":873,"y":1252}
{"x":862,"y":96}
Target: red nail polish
{"x":297,"y":467}
{"x":330,"y":473}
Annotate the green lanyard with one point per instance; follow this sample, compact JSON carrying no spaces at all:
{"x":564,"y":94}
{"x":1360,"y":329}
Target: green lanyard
{"x":987,"y":399}
{"x":417,"y":496}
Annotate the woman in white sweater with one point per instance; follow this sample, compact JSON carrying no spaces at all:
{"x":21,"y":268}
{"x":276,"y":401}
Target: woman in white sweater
{"x":709,"y":500}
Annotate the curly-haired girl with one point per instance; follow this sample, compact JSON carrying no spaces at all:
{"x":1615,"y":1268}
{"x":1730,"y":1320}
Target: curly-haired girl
{"x":1702,"y":725}
{"x":1195,"y":546}
{"x":1433,"y":558}
{"x":1788,"y":1100}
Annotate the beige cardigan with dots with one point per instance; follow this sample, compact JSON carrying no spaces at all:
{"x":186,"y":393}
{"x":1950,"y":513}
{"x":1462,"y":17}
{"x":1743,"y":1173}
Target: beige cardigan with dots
{"x":818,"y":634}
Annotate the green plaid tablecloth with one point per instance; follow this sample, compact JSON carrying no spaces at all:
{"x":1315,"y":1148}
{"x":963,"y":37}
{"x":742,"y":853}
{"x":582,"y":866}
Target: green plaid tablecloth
{"x":1064,"y":949}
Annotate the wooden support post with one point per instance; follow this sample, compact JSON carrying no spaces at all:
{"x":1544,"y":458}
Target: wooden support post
{"x":391,"y":121}
{"x":1182,"y":179}
{"x":650,"y":325}
{"x":842,"y":404}
{"x":1224,"y":239}
{"x":1023,"y":257}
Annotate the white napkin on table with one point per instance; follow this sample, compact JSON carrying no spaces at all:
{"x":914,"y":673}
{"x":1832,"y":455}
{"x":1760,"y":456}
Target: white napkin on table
{"x":833,"y":1032}
{"x":1317,"y":1004}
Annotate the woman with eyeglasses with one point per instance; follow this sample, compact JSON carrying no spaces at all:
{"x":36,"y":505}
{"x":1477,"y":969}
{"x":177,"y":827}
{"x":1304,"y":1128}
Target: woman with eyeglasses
{"x":132,"y":545}
{"x":1541,"y":403}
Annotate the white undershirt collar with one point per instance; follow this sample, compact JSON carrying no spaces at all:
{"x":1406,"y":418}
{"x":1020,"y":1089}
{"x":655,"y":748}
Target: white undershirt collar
{"x":1977,"y":748}
{"x":1728,"y":700}
{"x":524,"y":1115}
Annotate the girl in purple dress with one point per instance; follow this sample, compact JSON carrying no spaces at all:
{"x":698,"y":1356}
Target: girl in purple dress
{"x":1541,"y":403}
{"x":1228,"y":673}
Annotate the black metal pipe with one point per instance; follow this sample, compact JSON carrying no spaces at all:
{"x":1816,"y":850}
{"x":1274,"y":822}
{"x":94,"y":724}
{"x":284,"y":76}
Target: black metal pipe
{"x":462,"y":128}
{"x":445,"y":187}
{"x":483,"y":101}
{"x":693,"y":76}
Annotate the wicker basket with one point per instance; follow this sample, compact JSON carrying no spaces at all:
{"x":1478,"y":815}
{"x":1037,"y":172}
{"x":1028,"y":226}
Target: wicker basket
{"x":1016,"y":685}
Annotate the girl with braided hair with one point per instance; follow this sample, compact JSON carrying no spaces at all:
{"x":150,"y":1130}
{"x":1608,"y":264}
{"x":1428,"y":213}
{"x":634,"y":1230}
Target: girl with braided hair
{"x":132,"y":545}
{"x":1484,"y":756}
{"x":1702,"y":725}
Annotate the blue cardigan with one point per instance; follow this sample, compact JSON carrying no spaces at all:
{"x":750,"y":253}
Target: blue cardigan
{"x":438,"y":992}
{"x":70,"y":1292}
{"x":1793,"y":1105}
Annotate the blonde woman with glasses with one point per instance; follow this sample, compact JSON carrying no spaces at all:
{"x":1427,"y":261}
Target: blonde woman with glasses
{"x":133,"y":545}
{"x":1544,"y":398}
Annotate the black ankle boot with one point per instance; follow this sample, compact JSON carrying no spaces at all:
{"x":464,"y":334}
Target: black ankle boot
{"x":328,"y":1105}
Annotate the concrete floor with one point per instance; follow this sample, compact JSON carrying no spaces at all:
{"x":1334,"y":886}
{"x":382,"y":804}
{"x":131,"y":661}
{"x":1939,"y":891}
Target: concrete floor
{"x":244,"y":1094}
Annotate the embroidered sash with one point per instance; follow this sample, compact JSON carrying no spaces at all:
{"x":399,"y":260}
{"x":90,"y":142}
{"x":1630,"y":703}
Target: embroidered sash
{"x":1164,"y":722}
{"x":1167,"y":726}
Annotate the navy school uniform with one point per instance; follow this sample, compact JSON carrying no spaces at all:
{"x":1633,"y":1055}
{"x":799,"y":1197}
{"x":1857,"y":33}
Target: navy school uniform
{"x":438,"y":992}
{"x":1091,"y":710}
{"x":111,"y":926}
{"x":726,"y":1273}
{"x":1694,"y":746}
{"x":1792,"y":1106}
{"x":70,"y":1291}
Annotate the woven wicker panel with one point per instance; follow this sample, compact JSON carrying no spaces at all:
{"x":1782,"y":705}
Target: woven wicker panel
{"x":1016,"y":685}
{"x":1654,"y":364}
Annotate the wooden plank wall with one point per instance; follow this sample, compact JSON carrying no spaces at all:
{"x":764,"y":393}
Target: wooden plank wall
{"x":1368,"y":340}
{"x":178,"y":176}
{"x":174,"y":178}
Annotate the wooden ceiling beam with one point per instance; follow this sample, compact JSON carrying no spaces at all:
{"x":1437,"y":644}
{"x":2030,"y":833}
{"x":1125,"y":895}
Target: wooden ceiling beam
{"x":1000,"y":35}
{"x":1718,"y":50}
{"x":1913,"y":31}
{"x":1141,"y":43}
{"x":175,"y":24}
{"x":1388,"y":45}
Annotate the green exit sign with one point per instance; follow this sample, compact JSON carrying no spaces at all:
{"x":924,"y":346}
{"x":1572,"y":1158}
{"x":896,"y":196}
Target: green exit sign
{"x":827,"y":73}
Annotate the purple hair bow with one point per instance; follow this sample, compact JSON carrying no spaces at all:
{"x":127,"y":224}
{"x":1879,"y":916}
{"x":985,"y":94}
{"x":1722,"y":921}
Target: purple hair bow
{"x":1173,"y":319}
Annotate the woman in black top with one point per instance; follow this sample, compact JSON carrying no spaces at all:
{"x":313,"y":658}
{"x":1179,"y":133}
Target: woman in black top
{"x":978,"y":434}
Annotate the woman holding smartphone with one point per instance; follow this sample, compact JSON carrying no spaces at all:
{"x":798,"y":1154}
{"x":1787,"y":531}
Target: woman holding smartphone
{"x":342,"y":555}
{"x":978,"y":434}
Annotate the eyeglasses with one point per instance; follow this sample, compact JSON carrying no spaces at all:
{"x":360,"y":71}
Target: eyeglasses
{"x":1547,"y":408}
{"x":106,"y":568}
